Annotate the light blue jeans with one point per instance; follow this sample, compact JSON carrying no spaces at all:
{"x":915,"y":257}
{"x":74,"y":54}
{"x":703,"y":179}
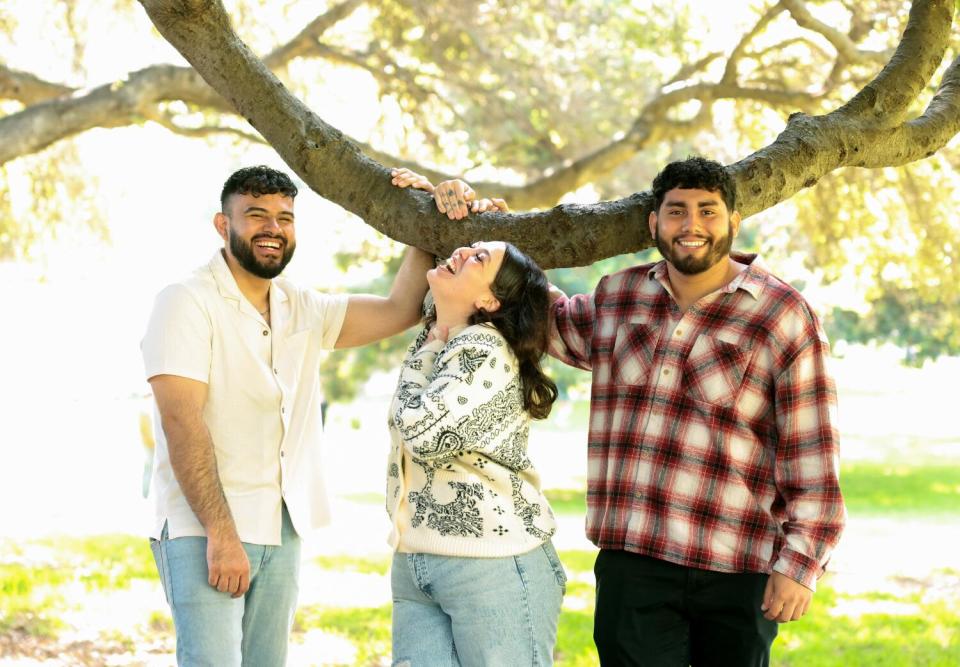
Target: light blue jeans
{"x":216,"y":630}
{"x":449,"y":610}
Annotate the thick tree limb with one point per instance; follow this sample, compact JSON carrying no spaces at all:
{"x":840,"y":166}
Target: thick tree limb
{"x":858,"y":134}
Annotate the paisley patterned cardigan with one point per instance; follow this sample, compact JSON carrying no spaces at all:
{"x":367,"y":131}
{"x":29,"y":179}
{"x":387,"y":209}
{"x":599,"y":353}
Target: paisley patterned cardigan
{"x":459,"y":482}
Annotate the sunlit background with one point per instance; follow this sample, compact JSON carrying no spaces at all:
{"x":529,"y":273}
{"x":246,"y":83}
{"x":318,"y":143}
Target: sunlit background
{"x":94,"y":225}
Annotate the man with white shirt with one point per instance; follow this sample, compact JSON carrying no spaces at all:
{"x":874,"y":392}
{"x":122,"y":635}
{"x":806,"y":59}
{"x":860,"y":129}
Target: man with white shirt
{"x":232,"y":354}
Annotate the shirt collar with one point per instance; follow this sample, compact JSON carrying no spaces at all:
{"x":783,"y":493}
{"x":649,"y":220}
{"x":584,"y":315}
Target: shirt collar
{"x":227,"y":284}
{"x":751,"y":279}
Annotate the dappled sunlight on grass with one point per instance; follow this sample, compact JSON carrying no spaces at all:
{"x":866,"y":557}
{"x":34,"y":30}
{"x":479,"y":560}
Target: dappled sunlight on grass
{"x":367,"y":629}
{"x":857,"y":630}
{"x":358,"y":564}
{"x":47,"y":585}
{"x":868,"y":489}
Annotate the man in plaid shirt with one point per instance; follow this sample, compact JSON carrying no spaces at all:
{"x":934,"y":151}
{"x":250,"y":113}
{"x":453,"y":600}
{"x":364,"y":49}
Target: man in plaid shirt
{"x":712,"y":482}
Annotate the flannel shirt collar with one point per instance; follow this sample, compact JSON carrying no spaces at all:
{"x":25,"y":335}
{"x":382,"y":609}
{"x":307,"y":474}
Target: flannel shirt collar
{"x":751,"y":279}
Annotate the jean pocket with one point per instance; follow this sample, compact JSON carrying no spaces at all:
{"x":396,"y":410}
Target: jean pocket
{"x":159,"y":550}
{"x":551,"y":553}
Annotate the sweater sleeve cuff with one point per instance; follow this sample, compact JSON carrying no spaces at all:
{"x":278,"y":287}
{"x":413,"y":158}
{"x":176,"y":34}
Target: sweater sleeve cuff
{"x":800,"y":568}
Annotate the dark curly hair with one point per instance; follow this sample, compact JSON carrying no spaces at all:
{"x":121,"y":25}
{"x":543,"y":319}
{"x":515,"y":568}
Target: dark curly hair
{"x":522,"y":318}
{"x":695,"y":173}
{"x":256,"y":181}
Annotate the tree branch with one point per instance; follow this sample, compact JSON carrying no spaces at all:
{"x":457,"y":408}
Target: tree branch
{"x":303,"y":43}
{"x":845,"y":47}
{"x":168,"y":121}
{"x":28,"y":88}
{"x":115,"y":104}
{"x":730,"y":71}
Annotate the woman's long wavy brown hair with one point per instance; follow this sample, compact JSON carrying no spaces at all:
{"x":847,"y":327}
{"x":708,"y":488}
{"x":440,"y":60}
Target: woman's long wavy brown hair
{"x":522,"y":289}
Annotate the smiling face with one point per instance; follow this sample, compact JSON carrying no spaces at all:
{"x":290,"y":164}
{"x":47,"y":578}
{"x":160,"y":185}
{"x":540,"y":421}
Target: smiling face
{"x":259,"y":232}
{"x":462,"y":283}
{"x":693,"y":229}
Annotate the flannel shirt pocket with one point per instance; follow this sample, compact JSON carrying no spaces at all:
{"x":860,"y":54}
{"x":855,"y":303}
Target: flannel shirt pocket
{"x":714,"y":369}
{"x":633,"y":353}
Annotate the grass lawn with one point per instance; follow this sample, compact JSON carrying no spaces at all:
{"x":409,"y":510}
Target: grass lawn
{"x":918,"y":625}
{"x":839,"y":631}
{"x":869,"y":489}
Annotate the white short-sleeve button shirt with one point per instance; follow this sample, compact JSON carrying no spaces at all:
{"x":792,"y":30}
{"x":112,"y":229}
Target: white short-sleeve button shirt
{"x":263,"y":401}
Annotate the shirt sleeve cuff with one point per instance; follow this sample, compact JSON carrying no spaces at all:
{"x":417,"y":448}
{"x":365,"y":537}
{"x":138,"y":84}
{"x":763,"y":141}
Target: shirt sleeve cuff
{"x":800,"y":568}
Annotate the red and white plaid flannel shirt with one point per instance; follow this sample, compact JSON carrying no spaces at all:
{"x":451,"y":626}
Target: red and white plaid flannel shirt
{"x":712,"y":439}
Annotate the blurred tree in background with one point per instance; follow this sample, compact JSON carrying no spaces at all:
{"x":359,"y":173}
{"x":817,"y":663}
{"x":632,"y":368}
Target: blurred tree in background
{"x":542,"y":101}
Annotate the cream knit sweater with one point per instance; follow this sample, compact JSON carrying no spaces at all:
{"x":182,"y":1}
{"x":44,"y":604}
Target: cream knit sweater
{"x":459,"y":482}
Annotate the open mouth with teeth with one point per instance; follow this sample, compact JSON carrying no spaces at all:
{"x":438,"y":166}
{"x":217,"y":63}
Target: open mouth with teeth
{"x":449,"y":266}
{"x":269,"y":246}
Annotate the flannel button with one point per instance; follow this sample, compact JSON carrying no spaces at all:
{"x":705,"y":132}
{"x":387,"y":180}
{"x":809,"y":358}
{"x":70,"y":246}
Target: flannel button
{"x":666,"y":371}
{"x":678,"y":332}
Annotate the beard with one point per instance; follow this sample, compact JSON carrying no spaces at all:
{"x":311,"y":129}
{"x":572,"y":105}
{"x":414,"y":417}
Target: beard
{"x":243,"y":252}
{"x":716,"y":251}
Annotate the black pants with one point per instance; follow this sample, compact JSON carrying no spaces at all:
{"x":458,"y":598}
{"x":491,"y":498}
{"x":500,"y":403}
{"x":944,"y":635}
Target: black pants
{"x":658,"y":614}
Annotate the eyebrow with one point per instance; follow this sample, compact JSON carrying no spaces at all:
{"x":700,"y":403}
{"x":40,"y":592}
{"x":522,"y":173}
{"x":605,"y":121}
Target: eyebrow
{"x":701,"y":203}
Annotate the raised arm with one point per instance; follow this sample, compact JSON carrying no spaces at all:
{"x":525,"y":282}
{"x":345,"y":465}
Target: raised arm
{"x":181,"y":401}
{"x":371,"y":318}
{"x":572,"y":322}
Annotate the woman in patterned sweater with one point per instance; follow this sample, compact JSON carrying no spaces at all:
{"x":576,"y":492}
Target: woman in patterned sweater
{"x":476,"y":580}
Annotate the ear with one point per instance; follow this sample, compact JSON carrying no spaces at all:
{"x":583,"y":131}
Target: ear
{"x":489,"y":303}
{"x":220,"y":223}
{"x":735,"y":223}
{"x":652,"y":221}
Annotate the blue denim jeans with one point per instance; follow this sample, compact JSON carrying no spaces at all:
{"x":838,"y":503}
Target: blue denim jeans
{"x":220,"y":631}
{"x":449,"y":610}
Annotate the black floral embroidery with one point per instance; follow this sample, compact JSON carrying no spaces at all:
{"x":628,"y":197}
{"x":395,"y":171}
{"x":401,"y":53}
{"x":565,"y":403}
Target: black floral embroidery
{"x":527,"y":511}
{"x":465,"y":451}
{"x":461,"y":516}
{"x":512,"y":452}
{"x":470,"y":360}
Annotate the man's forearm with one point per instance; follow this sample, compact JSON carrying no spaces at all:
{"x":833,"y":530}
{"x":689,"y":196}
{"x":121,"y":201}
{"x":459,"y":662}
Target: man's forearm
{"x":195,"y":467}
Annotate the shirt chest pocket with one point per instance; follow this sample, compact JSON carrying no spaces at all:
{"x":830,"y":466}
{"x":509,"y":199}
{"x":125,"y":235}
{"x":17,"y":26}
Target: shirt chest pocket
{"x":633,"y":353}
{"x":714,"y":370}
{"x":291,"y":358}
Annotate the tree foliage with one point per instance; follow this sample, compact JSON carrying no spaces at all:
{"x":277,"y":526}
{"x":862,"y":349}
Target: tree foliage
{"x":543,"y":101}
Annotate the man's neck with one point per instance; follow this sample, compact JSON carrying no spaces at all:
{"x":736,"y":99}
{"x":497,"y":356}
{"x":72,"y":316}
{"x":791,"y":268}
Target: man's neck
{"x":254,"y":288}
{"x":688,"y":289}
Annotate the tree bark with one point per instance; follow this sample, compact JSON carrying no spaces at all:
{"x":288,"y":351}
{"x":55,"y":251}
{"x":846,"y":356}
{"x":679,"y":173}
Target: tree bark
{"x":867,"y":131}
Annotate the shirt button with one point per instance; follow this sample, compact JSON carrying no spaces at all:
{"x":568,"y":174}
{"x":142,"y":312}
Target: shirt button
{"x":666,"y":371}
{"x":282,"y":410}
{"x":281,"y":453}
{"x":275,"y":371}
{"x":266,"y":333}
{"x":678,"y":332}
